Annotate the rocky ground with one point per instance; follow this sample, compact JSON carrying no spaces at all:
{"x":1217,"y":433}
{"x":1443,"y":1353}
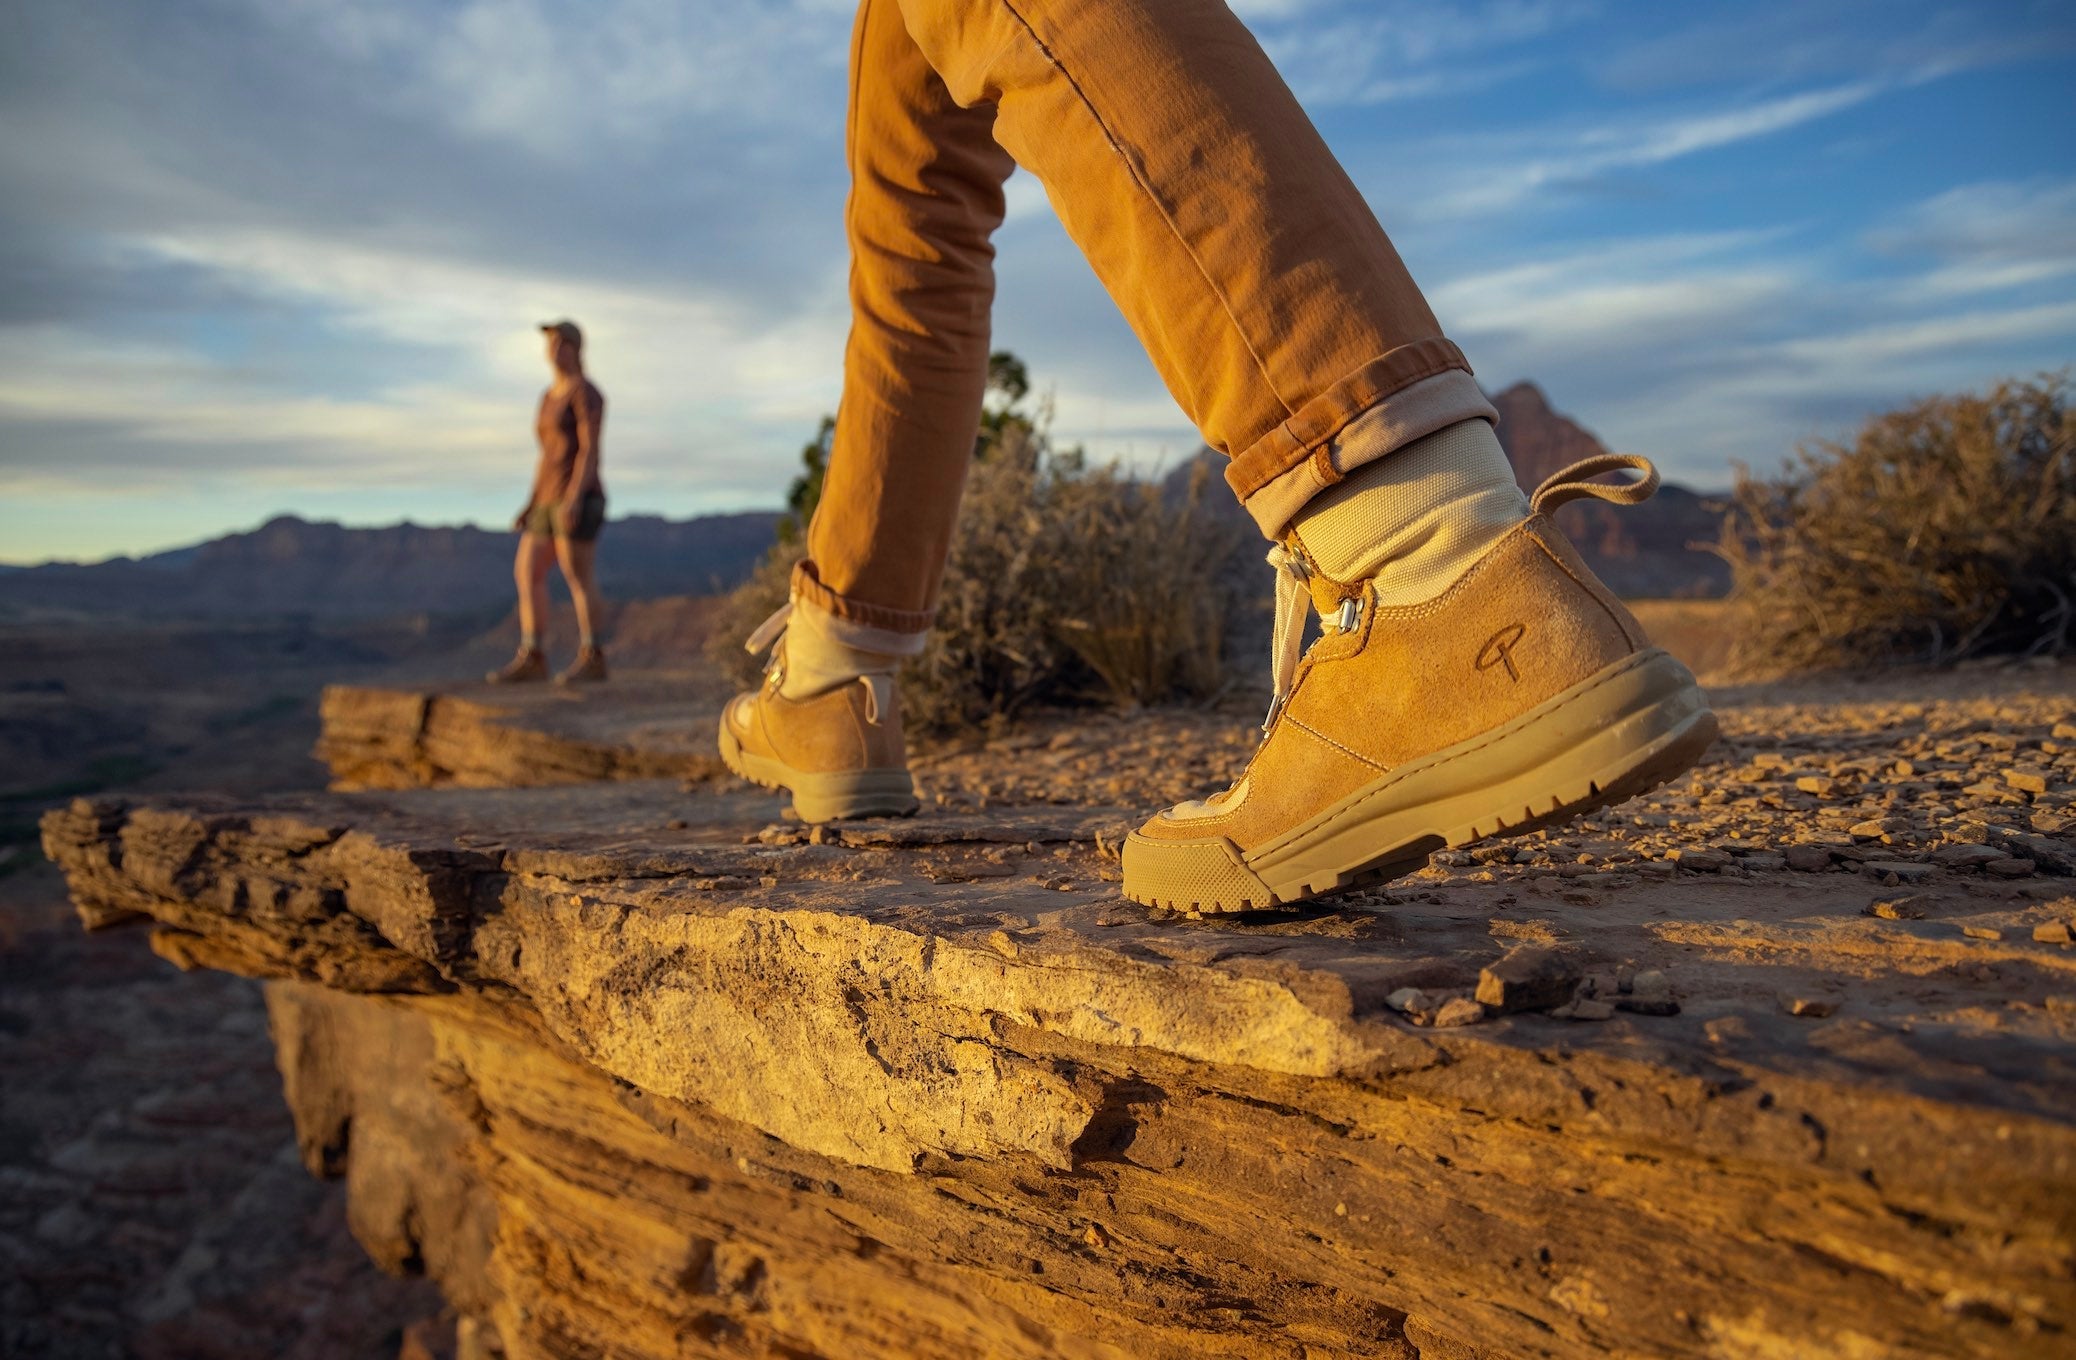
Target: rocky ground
{"x":152,"y":1204}
{"x":1881,"y":866}
{"x":1807,"y":1016}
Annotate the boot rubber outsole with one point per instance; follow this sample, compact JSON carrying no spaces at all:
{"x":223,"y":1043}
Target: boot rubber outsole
{"x":1621,"y":732}
{"x":824,"y":797}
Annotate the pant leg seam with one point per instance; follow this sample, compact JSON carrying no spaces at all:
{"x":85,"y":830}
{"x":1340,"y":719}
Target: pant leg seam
{"x":1132,"y":168}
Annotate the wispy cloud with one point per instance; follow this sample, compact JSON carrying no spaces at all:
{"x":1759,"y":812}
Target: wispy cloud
{"x":1499,"y":183}
{"x":285,"y":254}
{"x":1380,"y":54}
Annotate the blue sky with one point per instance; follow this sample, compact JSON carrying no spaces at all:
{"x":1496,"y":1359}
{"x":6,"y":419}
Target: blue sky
{"x":284,"y":255}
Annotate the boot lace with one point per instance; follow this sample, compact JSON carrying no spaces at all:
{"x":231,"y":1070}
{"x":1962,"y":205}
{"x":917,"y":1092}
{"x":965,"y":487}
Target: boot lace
{"x":1293,"y":607}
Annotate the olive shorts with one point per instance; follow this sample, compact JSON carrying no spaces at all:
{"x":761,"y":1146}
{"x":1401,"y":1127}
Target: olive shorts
{"x":591,"y":510}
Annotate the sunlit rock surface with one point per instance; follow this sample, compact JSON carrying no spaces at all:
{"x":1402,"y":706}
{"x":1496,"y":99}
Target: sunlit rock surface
{"x":639,"y":1072}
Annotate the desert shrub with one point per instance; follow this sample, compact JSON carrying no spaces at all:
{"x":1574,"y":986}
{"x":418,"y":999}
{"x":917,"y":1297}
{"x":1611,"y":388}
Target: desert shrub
{"x":1941,"y":531}
{"x":1065,"y":584}
{"x":1068,"y":583}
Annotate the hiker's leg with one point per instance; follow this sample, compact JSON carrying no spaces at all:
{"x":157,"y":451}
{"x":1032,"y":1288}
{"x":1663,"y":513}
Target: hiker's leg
{"x":579,"y":560}
{"x":530,"y":573}
{"x":1260,"y":282}
{"x":1473,"y":676}
{"x":926,"y":195}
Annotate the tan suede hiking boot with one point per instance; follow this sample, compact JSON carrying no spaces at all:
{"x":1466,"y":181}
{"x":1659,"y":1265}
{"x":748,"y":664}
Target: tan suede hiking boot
{"x":588,"y":669}
{"x":1523,"y":695}
{"x":527,"y":665}
{"x":839,"y":752}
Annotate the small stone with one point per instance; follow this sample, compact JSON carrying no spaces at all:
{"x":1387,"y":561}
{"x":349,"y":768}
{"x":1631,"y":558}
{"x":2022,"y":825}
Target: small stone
{"x":1965,"y":856}
{"x":1341,"y":1210}
{"x":1702,"y":861}
{"x":2054,"y":932}
{"x":1982,"y":932}
{"x":1657,"y":868}
{"x":1817,"y":784}
{"x":1763,"y":860}
{"x":1875,"y":830}
{"x":1896,"y":870}
{"x":1649,"y":993}
{"x":1808,"y":859}
{"x":1096,"y":1237}
{"x":1808,"y":1007}
{"x":2055,"y":857}
{"x":1909,"y":908}
{"x":2026,"y":780}
{"x":1458,"y":1010}
{"x":2009,"y":868}
{"x":1528,"y":979}
{"x":1590,"y":1008}
{"x":1650,"y":984}
{"x":1409,"y":999}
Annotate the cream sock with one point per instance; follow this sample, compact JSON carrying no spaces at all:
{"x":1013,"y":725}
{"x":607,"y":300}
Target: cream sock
{"x":1417,"y":518}
{"x":816,"y":661}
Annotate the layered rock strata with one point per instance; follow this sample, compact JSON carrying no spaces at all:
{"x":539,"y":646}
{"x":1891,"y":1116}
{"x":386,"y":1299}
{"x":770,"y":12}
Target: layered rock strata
{"x":633,"y":1072}
{"x":486,"y":736}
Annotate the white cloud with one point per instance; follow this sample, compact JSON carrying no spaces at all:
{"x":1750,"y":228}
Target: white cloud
{"x":721,"y":387}
{"x":1372,"y":55}
{"x":556,"y":80}
{"x":1500,"y":180}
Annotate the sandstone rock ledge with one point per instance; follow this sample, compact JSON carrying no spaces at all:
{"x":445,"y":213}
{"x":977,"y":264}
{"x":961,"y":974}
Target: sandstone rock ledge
{"x":490,"y":736}
{"x":630,"y":1087}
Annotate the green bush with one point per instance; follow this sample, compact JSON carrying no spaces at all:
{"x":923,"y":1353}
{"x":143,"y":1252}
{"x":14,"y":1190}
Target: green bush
{"x":1941,"y":531}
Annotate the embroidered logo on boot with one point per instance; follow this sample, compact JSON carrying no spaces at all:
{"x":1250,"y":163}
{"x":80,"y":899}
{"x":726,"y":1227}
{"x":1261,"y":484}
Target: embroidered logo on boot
{"x":1499,"y":650}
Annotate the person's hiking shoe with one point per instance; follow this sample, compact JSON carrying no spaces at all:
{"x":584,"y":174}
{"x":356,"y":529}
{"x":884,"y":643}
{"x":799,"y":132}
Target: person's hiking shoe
{"x":1524,"y":694}
{"x":529,"y":664}
{"x":839,"y":752}
{"x":589,"y":668}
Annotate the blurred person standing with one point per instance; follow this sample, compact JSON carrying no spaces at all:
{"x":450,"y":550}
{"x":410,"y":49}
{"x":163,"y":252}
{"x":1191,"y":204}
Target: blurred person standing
{"x":562,"y":516}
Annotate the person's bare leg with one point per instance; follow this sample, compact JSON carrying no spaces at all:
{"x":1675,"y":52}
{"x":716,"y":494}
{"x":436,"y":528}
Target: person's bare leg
{"x":530,"y":574}
{"x":579,"y":570}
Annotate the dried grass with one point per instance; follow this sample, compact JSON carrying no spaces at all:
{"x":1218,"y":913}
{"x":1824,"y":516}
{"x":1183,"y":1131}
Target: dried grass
{"x":1942,"y":531}
{"x":1065,"y":584}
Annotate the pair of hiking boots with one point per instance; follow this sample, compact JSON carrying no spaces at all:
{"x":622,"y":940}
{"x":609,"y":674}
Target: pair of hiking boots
{"x":530,"y":665}
{"x":1522,"y":695}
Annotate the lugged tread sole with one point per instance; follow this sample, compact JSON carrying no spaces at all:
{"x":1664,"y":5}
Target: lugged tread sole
{"x":835,"y":797}
{"x":1630,"y":728}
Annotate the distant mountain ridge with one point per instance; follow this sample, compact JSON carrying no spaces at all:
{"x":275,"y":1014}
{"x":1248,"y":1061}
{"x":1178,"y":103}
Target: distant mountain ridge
{"x":1641,"y":551}
{"x":290,"y":566}
{"x":322,"y":570}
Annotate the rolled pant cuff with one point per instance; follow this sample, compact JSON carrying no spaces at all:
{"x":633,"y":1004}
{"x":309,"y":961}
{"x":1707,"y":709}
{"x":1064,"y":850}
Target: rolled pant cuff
{"x":856,"y":623}
{"x":1385,"y":425}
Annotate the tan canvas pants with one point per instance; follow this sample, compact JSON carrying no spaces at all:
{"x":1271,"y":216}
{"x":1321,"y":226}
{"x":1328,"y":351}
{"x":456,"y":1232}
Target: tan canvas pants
{"x":1264,"y":290}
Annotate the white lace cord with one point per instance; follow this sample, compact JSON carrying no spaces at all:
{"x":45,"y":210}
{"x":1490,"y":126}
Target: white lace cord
{"x":767,"y":632}
{"x":1287,"y":643}
{"x":879,"y":689}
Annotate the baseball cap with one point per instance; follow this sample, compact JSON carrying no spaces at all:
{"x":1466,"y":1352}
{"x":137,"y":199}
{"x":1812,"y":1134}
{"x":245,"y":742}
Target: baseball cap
{"x":565,"y":328}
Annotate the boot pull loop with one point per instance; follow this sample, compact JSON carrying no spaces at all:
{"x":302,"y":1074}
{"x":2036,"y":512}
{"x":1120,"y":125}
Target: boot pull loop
{"x":879,"y":697}
{"x":1575,"y":482}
